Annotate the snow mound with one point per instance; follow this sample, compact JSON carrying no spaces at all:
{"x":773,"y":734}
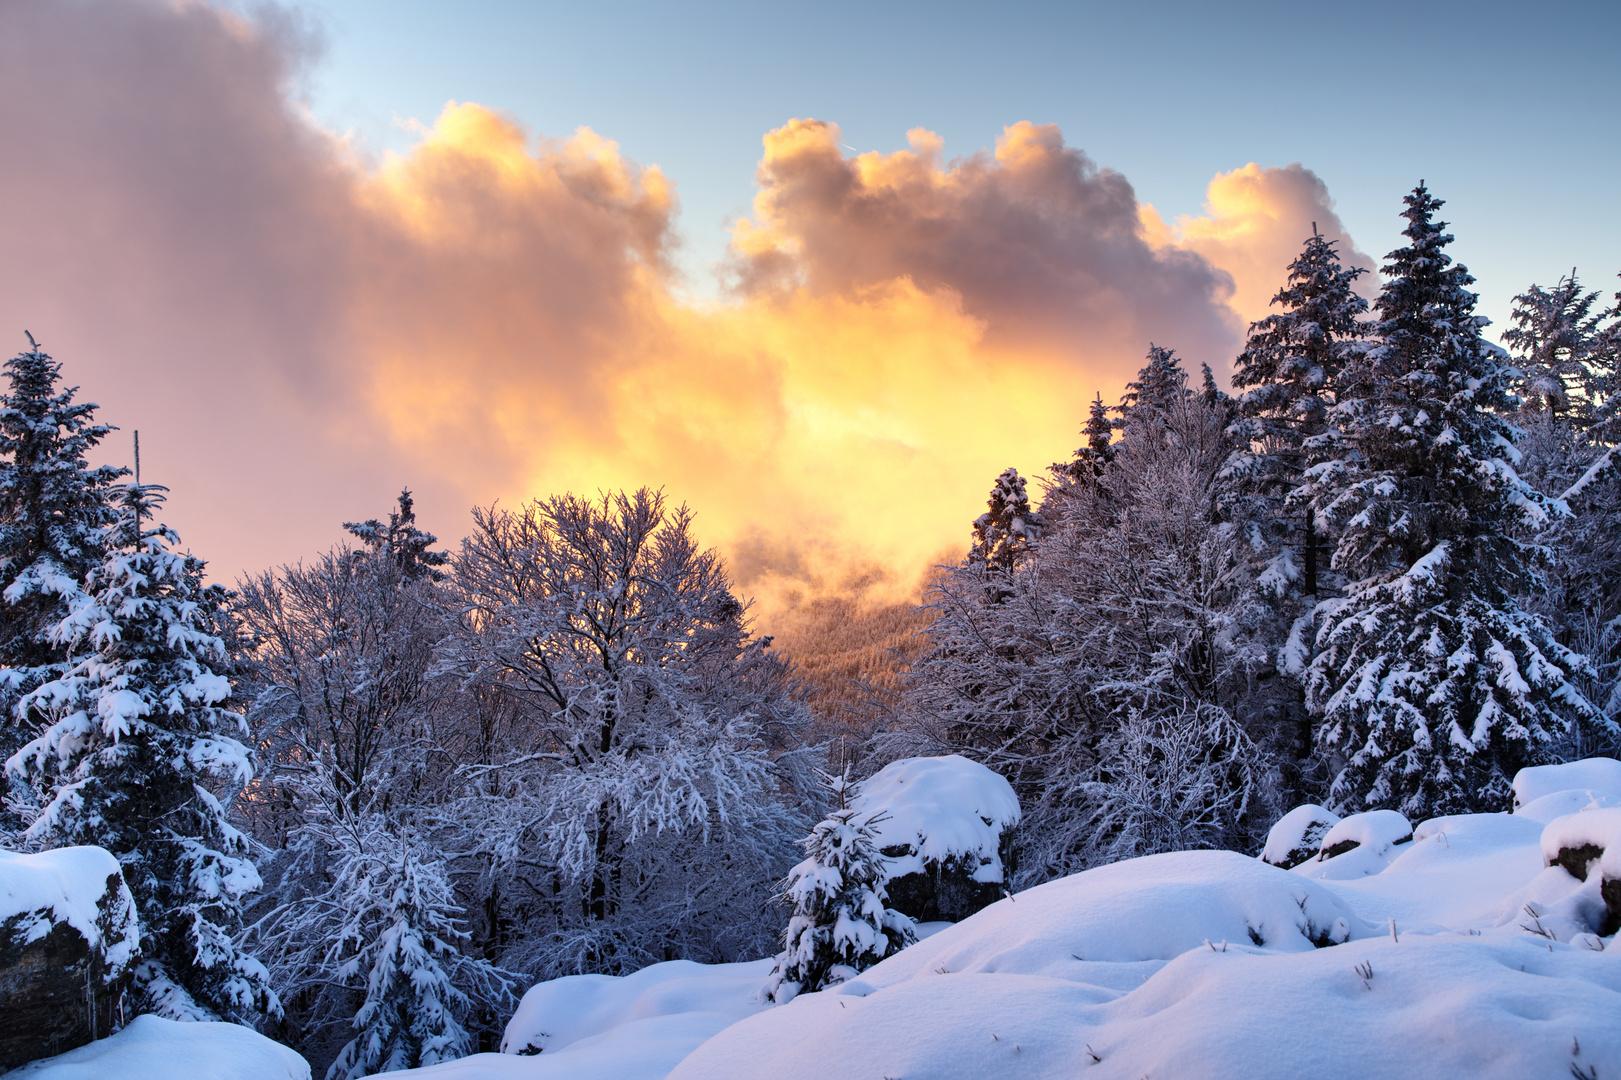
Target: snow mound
{"x":939,"y":808}
{"x":1359,"y":845}
{"x":1439,"y":1008}
{"x":70,"y":885}
{"x":1599,"y":775}
{"x":152,"y":1048}
{"x":1559,"y":803}
{"x":561,"y":1012}
{"x":1298,"y":835}
{"x":1142,"y":910}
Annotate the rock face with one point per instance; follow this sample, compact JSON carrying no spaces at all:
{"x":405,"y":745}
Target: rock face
{"x":68,"y":938}
{"x":946,"y":825}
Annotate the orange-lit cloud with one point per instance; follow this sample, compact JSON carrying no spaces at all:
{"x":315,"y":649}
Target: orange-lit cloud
{"x":495,"y":316}
{"x":1254,"y":223}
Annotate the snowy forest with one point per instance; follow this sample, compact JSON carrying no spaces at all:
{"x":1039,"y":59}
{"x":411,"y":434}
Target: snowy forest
{"x":363,"y":802}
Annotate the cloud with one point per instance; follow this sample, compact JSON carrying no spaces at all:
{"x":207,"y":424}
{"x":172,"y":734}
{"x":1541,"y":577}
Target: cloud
{"x":1255,"y":221}
{"x":1040,"y":242}
{"x":297,"y":330}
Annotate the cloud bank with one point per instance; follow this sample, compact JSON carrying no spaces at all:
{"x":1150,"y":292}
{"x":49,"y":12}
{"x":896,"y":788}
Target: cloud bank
{"x":297,"y":330}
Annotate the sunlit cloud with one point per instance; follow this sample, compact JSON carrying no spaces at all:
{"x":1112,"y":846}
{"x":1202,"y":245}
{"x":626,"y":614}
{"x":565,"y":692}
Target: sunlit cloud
{"x":493,"y":315}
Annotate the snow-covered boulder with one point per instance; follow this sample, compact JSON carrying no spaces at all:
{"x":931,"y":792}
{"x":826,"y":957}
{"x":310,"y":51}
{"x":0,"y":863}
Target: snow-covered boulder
{"x":1359,"y":845}
{"x":946,"y":824}
{"x":69,"y":935}
{"x":1597,"y":775}
{"x":1298,"y":836}
{"x":1587,"y":845}
{"x":152,"y":1048}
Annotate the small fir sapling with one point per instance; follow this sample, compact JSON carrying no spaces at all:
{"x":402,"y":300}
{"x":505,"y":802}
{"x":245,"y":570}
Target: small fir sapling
{"x":841,"y":923}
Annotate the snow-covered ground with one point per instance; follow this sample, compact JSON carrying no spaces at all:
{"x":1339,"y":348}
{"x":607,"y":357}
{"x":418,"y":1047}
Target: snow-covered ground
{"x":1454,"y":949}
{"x":1453,"y":952}
{"x":152,"y":1048}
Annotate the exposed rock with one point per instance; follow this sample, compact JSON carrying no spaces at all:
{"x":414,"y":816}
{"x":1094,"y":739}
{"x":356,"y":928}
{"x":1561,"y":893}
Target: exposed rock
{"x":68,"y":939}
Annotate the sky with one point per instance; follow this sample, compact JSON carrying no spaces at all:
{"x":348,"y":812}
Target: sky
{"x":820,"y":271}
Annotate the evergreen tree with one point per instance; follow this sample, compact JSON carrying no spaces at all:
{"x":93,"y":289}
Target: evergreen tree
{"x":1554,"y":336}
{"x":1430,"y":681}
{"x":383,"y":948}
{"x":141,"y":756}
{"x":1161,"y":383}
{"x":1004,"y":533}
{"x":842,"y":923}
{"x":1293,"y":369}
{"x":401,"y":542}
{"x":1090,"y":460}
{"x":53,"y":508}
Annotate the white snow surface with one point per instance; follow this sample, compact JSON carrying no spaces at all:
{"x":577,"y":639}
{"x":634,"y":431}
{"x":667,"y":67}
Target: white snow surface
{"x":152,"y":1048}
{"x":559,"y":1013}
{"x":940,"y":807}
{"x":1464,"y":956}
{"x":69,"y":885}
{"x":1599,"y":775}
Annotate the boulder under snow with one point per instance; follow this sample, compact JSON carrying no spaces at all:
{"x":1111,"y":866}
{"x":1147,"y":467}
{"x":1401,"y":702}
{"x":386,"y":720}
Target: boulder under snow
{"x":946,"y":825}
{"x":69,"y":935}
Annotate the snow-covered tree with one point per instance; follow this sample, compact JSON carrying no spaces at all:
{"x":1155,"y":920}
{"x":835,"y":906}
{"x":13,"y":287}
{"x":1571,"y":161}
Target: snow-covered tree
{"x":639,"y":779}
{"x":1161,"y":383}
{"x":141,"y":756}
{"x":1567,"y":436}
{"x":842,"y":923}
{"x":53,"y":510}
{"x":379,"y":949}
{"x":1132,"y":604}
{"x":1431,"y":682}
{"x":401,"y":542}
{"x":1007,"y":528}
{"x":1293,"y":369}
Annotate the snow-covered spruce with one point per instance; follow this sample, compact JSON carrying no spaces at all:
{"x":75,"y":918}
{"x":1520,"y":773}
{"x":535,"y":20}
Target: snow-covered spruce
{"x":398,"y":938}
{"x":1430,"y":680}
{"x":53,"y":510}
{"x":841,"y":922}
{"x":140,"y":756}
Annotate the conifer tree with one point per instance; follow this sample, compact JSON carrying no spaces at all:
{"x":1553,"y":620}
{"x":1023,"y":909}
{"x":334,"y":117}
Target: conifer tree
{"x":401,"y":542}
{"x":1161,"y":383}
{"x":1008,"y":527}
{"x":1090,"y":460}
{"x":141,"y":756}
{"x":53,"y":508}
{"x":1430,"y":681}
{"x":1293,"y":369}
{"x":842,"y":923}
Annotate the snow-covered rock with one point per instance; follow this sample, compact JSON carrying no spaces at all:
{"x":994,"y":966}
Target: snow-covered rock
{"x":152,"y":1048}
{"x":1598,"y":775}
{"x":1359,"y":845}
{"x":69,"y":934}
{"x":1587,"y":846}
{"x":1298,"y":836}
{"x":946,"y":825}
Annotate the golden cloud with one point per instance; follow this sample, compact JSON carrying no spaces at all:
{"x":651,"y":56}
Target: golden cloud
{"x":492,"y":315}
